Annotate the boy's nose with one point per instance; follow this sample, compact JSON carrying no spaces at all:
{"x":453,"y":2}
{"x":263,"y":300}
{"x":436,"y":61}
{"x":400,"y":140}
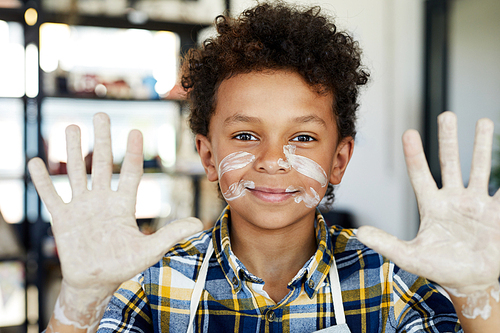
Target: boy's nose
{"x":267,"y":159}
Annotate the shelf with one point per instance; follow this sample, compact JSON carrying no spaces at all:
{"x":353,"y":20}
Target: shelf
{"x":162,"y":196}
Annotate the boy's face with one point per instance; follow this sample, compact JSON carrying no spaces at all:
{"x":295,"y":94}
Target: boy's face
{"x":273,"y":146}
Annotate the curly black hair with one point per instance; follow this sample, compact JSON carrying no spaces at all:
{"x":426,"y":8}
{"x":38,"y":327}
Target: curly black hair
{"x":277,"y":36}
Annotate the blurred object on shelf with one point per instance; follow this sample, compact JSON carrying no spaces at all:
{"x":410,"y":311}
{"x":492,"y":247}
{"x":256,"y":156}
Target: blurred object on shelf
{"x":188,"y":161}
{"x":12,"y":294}
{"x":12,"y":56}
{"x":10,"y":246}
{"x":180,"y":200}
{"x":211,"y":204}
{"x":12,"y":161}
{"x":153,"y":165}
{"x":11,"y":137}
{"x":140,"y":11}
{"x":96,"y":62}
{"x":49,"y":249}
{"x":157,"y":120}
{"x":12,"y":200}
{"x":177,"y":93}
{"x":10,"y":4}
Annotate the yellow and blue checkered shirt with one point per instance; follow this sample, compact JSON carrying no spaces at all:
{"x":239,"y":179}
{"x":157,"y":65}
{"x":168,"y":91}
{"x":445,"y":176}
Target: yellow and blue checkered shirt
{"x":377,"y":295}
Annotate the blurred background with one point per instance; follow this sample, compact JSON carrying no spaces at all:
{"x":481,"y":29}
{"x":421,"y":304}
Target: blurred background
{"x":61,"y":61}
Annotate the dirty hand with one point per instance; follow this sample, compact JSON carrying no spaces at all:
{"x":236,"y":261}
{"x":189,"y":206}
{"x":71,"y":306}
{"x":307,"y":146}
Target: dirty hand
{"x":458,"y":243}
{"x":99,"y":243}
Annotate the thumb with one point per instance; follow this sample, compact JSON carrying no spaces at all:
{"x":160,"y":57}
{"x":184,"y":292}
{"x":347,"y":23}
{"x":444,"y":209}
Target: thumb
{"x":387,"y":245}
{"x":166,"y":237}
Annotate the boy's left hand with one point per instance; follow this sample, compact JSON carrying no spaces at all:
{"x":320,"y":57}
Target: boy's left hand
{"x":458,"y":243}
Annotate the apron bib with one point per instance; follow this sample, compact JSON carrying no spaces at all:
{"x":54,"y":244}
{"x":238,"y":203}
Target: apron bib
{"x":338,"y":307}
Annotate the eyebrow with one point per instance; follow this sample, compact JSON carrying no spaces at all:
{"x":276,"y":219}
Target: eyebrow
{"x":310,"y":119}
{"x":240,"y":118}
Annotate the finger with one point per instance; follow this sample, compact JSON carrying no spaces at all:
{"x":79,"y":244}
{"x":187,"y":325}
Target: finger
{"x":388,"y":246}
{"x":131,"y":170}
{"x":481,"y":157}
{"x":76,"y":167}
{"x":102,"y":159}
{"x":416,"y":163}
{"x":162,"y":240}
{"x":448,"y":150}
{"x":44,"y":185}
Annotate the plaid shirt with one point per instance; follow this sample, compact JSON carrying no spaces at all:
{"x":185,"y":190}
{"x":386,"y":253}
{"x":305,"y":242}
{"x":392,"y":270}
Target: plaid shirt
{"x":377,"y":295}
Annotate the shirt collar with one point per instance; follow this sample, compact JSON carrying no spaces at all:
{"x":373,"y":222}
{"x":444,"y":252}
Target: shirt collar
{"x":312,"y":274}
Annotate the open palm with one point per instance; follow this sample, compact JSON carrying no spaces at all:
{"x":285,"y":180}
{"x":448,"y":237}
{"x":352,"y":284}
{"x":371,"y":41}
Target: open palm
{"x":458,"y":243}
{"x":98,"y":240}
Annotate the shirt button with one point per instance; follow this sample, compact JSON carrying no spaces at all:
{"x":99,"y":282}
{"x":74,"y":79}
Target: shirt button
{"x":311,"y":284}
{"x":270,"y":315}
{"x":235,"y":281}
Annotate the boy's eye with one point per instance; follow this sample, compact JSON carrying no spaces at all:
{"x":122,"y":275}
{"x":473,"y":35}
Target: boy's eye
{"x":303,"y":138}
{"x":245,"y":137}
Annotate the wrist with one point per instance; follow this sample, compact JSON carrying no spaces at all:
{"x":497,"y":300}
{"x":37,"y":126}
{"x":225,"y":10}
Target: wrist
{"x":469,"y":290}
{"x":475,"y":300}
{"x":81,"y":307}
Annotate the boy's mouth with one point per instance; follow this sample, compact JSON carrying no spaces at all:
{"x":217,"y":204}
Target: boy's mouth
{"x":273,"y":195}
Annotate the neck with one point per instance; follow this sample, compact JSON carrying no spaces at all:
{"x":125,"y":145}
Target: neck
{"x":274,"y":255}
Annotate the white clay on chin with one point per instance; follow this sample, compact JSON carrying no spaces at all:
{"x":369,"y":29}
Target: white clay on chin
{"x":303,"y":165}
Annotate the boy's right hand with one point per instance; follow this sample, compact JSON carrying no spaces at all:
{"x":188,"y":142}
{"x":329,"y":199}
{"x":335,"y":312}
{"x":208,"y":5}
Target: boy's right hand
{"x":99,"y":243}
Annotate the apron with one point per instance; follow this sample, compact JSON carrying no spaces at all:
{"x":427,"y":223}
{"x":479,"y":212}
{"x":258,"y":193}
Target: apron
{"x":338,"y":307}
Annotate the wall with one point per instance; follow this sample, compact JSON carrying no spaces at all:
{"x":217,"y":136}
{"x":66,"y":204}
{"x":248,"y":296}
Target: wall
{"x":376,"y":187}
{"x":474,"y":70}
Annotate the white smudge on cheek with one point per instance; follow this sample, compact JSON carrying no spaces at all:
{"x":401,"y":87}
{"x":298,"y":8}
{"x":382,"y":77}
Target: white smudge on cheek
{"x":235,"y":161}
{"x":303,"y":165}
{"x":310,"y":200}
{"x":308,"y":168}
{"x":239,"y":189}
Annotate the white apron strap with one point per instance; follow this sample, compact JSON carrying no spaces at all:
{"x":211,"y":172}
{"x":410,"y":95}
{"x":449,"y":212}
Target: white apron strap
{"x":338,"y":306}
{"x":199,"y":286}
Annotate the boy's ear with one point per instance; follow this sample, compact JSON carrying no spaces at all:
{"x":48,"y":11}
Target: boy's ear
{"x":205,"y":151}
{"x":341,"y":159}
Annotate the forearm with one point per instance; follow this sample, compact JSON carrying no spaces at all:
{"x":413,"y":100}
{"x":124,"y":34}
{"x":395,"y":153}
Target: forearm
{"x":78,"y":310}
{"x":486,"y":310}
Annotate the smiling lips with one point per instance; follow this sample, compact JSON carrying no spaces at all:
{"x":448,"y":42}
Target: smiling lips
{"x":272,"y":195}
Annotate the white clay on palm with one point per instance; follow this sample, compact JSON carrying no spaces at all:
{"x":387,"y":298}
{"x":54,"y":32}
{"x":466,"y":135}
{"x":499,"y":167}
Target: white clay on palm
{"x":99,"y":243}
{"x":458,"y":243}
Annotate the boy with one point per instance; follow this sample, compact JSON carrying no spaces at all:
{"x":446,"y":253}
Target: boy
{"x":274,"y":101}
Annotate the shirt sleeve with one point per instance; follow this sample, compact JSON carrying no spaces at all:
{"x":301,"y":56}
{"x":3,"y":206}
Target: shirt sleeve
{"x":128,"y":309}
{"x":420,"y":307}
